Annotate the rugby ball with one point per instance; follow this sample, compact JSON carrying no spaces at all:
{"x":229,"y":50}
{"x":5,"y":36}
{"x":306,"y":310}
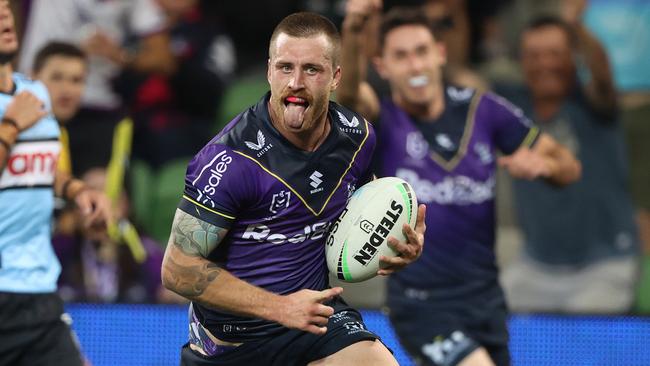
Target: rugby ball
{"x":358,"y":238}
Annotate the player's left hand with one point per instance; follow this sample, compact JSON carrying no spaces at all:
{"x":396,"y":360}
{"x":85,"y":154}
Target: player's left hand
{"x":95,"y":208}
{"x":527,"y":164}
{"x":409,"y":251}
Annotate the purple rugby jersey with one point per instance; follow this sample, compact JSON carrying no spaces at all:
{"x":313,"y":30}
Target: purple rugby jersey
{"x":451,"y":165}
{"x":277,"y":202}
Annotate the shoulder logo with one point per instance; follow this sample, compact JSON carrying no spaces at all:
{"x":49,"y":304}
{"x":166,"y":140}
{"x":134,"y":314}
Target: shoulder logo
{"x":261,"y":140}
{"x":346,"y":122}
{"x":261,"y":146}
{"x":459,"y":94}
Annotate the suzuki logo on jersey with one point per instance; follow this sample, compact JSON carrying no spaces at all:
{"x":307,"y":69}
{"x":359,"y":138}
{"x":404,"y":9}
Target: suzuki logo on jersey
{"x":31,"y":164}
{"x":443,"y":140}
{"x":484,"y":153}
{"x":315,"y":181}
{"x":262,"y":233}
{"x":280,"y":201}
{"x":416,"y":146}
{"x":260,"y":146}
{"x":214,"y":171}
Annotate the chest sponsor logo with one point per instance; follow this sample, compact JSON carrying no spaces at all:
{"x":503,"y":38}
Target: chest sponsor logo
{"x":260,"y":146}
{"x":315,"y":181}
{"x":451,"y":190}
{"x":263,"y":234}
{"x":416,"y":146}
{"x":280,"y":201}
{"x":213,"y":173}
{"x":31,"y":164}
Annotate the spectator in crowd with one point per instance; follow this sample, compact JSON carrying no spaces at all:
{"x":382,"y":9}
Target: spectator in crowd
{"x":100,"y":269}
{"x":95,"y":267}
{"x":175,"y":111}
{"x":448,"y":307}
{"x":581,"y":246}
{"x":62,"y":67}
{"x":623,"y":27}
{"x":115,"y":35}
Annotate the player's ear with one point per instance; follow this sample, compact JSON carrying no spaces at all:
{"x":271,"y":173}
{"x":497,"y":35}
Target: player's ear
{"x":268,"y":70}
{"x":337,"y":79}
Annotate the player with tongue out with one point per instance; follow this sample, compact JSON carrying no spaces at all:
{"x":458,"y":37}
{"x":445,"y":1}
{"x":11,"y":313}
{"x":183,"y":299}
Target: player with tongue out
{"x":248,"y":238}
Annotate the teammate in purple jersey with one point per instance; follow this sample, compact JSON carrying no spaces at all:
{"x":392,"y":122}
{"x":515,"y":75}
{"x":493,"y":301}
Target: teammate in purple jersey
{"x":447,"y":308}
{"x":248,"y":240}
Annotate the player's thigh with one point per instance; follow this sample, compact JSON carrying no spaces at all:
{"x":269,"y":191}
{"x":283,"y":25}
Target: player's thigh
{"x":361,"y":353}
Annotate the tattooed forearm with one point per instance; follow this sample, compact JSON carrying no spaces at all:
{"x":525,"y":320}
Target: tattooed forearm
{"x":195,"y":237}
{"x":191,"y":280}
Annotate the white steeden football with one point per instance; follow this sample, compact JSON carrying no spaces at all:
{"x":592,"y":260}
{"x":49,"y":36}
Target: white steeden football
{"x":358,"y":238}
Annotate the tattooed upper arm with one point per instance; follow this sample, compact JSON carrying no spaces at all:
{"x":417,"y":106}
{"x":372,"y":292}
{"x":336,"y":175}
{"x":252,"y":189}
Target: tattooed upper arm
{"x":191,"y":273}
{"x":195,"y":237}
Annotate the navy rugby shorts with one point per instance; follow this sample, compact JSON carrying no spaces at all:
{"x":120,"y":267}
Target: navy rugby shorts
{"x":291,"y":347}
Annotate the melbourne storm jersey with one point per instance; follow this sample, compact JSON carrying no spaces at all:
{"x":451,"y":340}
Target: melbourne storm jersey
{"x":27,"y":261}
{"x":451,"y":165}
{"x":277,"y":202}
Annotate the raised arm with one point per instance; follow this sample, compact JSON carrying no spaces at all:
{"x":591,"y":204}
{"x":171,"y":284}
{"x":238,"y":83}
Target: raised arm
{"x":187,"y":271}
{"x":600,"y":90}
{"x":547,"y":159}
{"x":359,"y":26}
{"x":22,"y":113}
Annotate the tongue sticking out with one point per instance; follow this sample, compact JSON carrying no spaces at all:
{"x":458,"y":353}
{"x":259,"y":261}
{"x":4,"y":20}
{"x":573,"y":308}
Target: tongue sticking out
{"x":294,"y":112}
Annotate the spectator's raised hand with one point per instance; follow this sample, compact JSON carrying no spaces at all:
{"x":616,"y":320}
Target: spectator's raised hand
{"x":358,"y":11}
{"x":572,"y":10}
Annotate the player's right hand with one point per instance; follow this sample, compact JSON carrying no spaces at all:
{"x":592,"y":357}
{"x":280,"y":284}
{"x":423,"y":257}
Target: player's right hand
{"x":25,"y":109}
{"x":304,"y":310}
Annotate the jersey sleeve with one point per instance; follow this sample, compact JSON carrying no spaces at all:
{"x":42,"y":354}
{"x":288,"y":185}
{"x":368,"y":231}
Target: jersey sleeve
{"x":512,"y":129}
{"x":215,"y":186}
